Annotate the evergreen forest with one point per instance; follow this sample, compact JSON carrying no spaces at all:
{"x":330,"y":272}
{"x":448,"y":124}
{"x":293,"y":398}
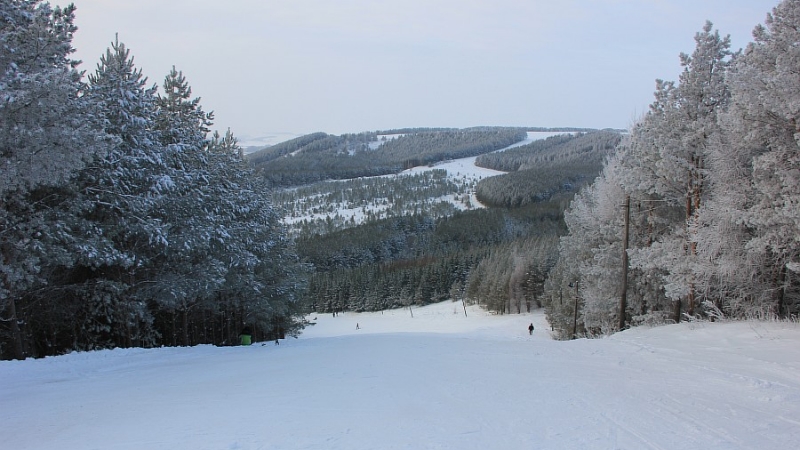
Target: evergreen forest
{"x":125,"y":221}
{"x":426,"y":237}
{"x":694,"y":216}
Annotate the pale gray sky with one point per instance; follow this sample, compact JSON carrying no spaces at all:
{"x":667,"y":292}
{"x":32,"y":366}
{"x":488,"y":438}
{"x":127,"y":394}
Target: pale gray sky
{"x":279,"y":67}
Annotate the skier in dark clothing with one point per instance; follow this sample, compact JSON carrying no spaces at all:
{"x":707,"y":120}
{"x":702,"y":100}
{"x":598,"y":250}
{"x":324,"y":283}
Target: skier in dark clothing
{"x":530,"y":329}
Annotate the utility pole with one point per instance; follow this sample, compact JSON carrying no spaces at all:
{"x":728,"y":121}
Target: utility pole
{"x":623,"y":300}
{"x":575,"y":316}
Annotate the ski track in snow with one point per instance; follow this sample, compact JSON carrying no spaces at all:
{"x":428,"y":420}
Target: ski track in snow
{"x":439,"y":380}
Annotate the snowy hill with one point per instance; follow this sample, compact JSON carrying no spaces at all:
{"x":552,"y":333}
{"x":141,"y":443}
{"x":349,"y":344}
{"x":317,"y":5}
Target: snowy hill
{"x":437,"y":380}
{"x":315,"y":204}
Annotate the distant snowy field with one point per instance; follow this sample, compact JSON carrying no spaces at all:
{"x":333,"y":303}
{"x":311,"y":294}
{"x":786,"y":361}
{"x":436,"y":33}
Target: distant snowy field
{"x":439,"y":380}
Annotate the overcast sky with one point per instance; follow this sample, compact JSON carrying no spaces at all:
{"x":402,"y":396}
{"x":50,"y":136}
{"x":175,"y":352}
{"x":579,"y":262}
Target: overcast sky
{"x":280,"y":67}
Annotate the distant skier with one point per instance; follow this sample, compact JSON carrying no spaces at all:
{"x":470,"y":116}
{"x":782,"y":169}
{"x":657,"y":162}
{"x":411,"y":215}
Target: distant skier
{"x":357,"y":327}
{"x":530,"y":329}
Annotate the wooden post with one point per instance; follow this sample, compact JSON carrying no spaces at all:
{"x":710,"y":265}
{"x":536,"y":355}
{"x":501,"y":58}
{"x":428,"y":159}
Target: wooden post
{"x":781,"y":293}
{"x":575,"y":316}
{"x":623,"y":300}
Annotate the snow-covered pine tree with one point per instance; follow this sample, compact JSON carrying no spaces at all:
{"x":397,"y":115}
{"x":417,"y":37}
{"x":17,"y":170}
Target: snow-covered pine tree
{"x":264,"y":274}
{"x":661,"y":166}
{"x":118,"y":194}
{"x":595,"y":249}
{"x":46,"y":134}
{"x":181,"y":119}
{"x":189,"y":273}
{"x":671,"y":145}
{"x":753,"y":225}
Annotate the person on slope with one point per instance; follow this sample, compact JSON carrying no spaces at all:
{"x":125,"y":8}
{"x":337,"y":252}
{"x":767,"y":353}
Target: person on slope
{"x":530,"y":329}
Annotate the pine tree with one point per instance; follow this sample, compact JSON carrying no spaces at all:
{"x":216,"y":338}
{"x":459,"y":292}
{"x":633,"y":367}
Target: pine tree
{"x":669,"y":149}
{"x":753,"y":226}
{"x":661,"y":166}
{"x":46,"y":135}
{"x":181,"y":119}
{"x":117,"y":196}
{"x":45,"y":131}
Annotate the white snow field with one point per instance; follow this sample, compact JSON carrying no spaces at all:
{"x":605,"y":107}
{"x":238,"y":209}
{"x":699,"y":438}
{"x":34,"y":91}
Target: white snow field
{"x":439,"y":380}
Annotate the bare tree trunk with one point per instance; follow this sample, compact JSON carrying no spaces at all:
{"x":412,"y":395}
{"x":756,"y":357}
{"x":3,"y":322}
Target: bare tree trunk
{"x":692,"y":206}
{"x":782,"y":293}
{"x":185,"y":325}
{"x":174,"y":331}
{"x":16,"y":332}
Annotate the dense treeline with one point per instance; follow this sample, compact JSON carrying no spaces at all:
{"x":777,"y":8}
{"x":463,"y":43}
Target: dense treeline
{"x":589,"y":147}
{"x":544,"y":168}
{"x":534,"y":129}
{"x":374,"y":242}
{"x":511,"y":277}
{"x":696,"y":213}
{"x":416,"y":260}
{"x":351,"y":156}
{"x":121,"y":222}
{"x":512,"y":159}
{"x":415,"y":254}
{"x":392,"y":285}
{"x":421,"y":149}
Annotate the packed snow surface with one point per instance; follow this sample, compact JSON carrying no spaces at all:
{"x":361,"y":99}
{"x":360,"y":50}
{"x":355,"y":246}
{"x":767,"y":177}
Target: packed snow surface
{"x":439,"y":380}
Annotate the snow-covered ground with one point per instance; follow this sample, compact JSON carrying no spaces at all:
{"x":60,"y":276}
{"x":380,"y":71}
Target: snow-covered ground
{"x":439,"y":380}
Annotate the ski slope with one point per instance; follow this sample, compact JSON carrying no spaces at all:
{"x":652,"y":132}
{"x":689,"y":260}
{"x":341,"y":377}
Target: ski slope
{"x":439,"y":380}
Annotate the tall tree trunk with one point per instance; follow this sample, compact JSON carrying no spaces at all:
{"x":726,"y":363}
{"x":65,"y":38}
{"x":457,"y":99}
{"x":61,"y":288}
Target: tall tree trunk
{"x":781,"y":307}
{"x":688,"y":248}
{"x":185,"y":326}
{"x":693,"y":192}
{"x":174,"y":331}
{"x":16,"y":332}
